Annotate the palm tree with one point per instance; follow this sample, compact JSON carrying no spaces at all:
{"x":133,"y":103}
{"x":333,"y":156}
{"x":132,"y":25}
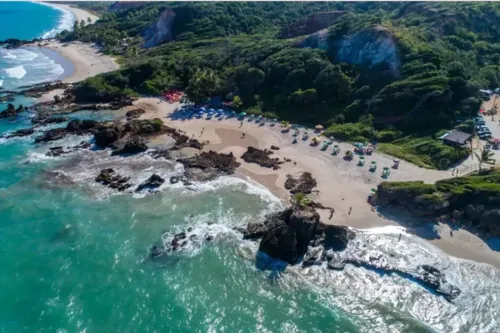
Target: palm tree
{"x":484,"y":156}
{"x":301,"y":200}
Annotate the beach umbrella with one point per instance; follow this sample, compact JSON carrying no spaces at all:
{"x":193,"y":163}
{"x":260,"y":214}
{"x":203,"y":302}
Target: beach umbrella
{"x":202,"y":108}
{"x":318,"y":127}
{"x":243,"y":114}
{"x":220,"y":110}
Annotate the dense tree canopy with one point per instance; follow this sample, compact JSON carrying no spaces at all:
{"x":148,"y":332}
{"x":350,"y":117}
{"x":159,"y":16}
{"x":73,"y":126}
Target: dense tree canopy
{"x":446,"y":52}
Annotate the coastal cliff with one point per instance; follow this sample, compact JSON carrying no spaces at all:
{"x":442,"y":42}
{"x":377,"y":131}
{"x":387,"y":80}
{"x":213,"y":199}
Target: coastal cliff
{"x":371,"y":46}
{"x":473,"y":201}
{"x":160,"y":31}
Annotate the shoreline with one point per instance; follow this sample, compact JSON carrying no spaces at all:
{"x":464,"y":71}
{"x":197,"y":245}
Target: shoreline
{"x":79,"y":14}
{"x":341,"y":184}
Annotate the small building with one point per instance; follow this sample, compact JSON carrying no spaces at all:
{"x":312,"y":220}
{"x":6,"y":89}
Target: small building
{"x":457,"y":138}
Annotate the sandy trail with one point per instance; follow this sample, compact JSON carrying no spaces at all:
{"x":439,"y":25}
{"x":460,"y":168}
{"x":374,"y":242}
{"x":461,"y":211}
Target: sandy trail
{"x":341,"y":184}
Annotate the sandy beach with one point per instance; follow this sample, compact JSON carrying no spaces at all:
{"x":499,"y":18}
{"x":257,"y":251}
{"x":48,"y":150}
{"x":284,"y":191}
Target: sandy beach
{"x":341,"y":184}
{"x":80,"y":14}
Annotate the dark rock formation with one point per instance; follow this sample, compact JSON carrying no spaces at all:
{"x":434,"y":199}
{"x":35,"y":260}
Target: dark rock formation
{"x":152,"y":182}
{"x":165,"y":154}
{"x":82,"y":126}
{"x":110,"y":178}
{"x":52,"y":135}
{"x":297,"y":233}
{"x":46,"y":118}
{"x":21,"y":132}
{"x":57,"y":151}
{"x":7,"y":98}
{"x":302,"y":184}
{"x":109,"y":133}
{"x":288,"y":234}
{"x":133,"y":145}
{"x":261,"y":157}
{"x":106,"y":137}
{"x":212,"y":163}
{"x":75,"y":126}
{"x":11,"y":111}
{"x":133,"y":114}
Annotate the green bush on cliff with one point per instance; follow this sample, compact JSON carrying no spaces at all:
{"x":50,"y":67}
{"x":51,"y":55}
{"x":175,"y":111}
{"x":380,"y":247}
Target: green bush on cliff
{"x":426,"y":152}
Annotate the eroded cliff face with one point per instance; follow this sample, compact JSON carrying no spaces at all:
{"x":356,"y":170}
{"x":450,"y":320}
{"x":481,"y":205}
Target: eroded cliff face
{"x":160,"y":31}
{"x":368,"y":47}
{"x":372,"y":47}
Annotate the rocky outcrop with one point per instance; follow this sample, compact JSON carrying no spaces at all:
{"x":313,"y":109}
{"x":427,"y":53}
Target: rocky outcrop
{"x":160,"y":31}
{"x":20,"y":133}
{"x":302,"y":184}
{"x":134,"y":114}
{"x":472,"y":201}
{"x":46,"y":118}
{"x":128,"y":138}
{"x":75,"y":126}
{"x":297,"y":235}
{"x":371,"y":46}
{"x":176,"y":242}
{"x":151,"y":183}
{"x":418,"y":198}
{"x":11,"y":111}
{"x":261,"y":157}
{"x":52,"y":135}
{"x":132,"y":145}
{"x":57,"y":151}
{"x":209,"y":165}
{"x":311,"y":24}
{"x":106,"y":136}
{"x":110,"y":178}
{"x":287,"y":235}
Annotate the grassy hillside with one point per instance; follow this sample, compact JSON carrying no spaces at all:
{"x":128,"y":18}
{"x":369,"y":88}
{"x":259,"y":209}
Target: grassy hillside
{"x":446,"y":53}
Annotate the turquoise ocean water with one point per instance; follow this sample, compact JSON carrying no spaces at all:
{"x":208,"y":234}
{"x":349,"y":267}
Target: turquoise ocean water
{"x":73,"y":254}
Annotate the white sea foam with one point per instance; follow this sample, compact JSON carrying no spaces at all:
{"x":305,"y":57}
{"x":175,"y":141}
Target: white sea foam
{"x":17,"y":72}
{"x":9,"y":55}
{"x":65,"y":22}
{"x":1,"y":83}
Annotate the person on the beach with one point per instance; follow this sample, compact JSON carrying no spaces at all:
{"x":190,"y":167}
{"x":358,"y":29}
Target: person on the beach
{"x":243,"y":135}
{"x":350,"y":210}
{"x":399,"y":237}
{"x":202,"y":129}
{"x":241,"y":124}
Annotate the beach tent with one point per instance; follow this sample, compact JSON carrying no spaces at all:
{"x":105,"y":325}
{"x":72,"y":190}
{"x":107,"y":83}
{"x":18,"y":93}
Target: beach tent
{"x":373,"y":166}
{"x":200,"y":112}
{"x":361,"y":161}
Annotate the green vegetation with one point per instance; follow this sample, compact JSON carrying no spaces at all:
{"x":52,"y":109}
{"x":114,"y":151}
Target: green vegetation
{"x":446,"y":52}
{"x":473,"y":198}
{"x":424,"y":151}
